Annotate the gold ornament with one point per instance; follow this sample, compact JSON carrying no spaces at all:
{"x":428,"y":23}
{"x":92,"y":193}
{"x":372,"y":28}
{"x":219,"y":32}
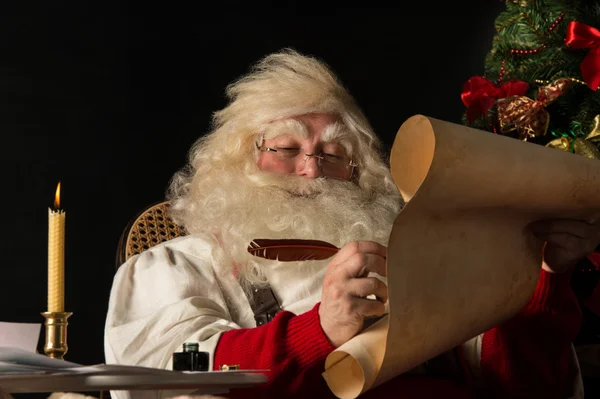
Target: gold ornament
{"x":527,"y":116}
{"x":586,"y":144}
{"x":594,"y":135}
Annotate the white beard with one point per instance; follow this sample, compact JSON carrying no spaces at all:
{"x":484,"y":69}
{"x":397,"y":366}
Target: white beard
{"x":238,"y":209}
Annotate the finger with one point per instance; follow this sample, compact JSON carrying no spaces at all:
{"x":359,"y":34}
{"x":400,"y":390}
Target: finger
{"x":363,"y":287}
{"x":595,"y":219}
{"x":361,"y":264}
{"x":577,"y":228}
{"x":559,"y":260}
{"x":368,"y":307}
{"x":354,"y":247}
{"x":564,"y":240}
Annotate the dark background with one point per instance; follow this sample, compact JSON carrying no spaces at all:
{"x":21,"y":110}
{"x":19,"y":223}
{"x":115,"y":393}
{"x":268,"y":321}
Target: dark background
{"x":108,"y":97}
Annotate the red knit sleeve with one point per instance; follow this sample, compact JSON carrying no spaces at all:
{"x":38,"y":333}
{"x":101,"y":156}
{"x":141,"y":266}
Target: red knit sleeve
{"x":292,"y":348}
{"x":528,"y":356}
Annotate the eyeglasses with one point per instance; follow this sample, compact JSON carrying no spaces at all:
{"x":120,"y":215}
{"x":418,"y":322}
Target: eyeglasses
{"x":328,"y":162}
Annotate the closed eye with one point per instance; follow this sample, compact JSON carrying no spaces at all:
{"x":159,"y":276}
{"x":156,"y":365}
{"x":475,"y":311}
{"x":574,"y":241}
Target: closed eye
{"x":288,"y":152}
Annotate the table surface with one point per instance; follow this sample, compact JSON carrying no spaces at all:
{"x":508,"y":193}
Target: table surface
{"x":209,"y":382}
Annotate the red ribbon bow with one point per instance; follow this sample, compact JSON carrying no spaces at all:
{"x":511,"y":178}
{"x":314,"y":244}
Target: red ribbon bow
{"x":584,"y":36}
{"x":480,"y":94}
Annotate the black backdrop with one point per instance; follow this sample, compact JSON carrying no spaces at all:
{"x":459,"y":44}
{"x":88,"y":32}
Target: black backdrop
{"x":108,"y":97}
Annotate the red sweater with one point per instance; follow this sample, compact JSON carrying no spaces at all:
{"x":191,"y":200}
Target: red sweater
{"x":528,"y":356}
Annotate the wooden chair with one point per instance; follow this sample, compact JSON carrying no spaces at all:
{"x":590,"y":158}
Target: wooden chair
{"x":149,"y":227}
{"x":152,"y":226}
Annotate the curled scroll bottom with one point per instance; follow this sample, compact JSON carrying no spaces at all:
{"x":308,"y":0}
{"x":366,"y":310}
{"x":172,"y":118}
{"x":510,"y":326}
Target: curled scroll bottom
{"x":460,"y":257}
{"x":353,"y":367}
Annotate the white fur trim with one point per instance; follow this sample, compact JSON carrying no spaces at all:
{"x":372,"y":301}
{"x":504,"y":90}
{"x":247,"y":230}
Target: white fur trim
{"x":69,"y":395}
{"x":578,"y":389}
{"x":472,"y":353}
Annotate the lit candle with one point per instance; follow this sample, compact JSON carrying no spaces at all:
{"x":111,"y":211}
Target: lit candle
{"x":56,"y":256}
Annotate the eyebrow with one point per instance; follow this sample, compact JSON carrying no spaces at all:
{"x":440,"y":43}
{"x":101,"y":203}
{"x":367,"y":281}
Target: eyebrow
{"x":338,"y":133}
{"x":334,"y":132}
{"x":290,"y":127}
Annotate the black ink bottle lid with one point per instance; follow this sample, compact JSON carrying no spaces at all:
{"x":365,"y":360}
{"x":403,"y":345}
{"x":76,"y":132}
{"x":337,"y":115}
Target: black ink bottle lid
{"x":191,"y":347}
{"x":191,"y":359}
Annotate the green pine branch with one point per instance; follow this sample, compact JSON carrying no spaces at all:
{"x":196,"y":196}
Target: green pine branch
{"x":528,"y":27}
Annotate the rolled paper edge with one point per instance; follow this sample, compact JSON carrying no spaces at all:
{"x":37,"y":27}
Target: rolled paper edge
{"x":346,"y":378}
{"x":352,"y":369}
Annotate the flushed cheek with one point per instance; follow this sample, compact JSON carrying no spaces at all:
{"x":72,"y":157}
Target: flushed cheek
{"x":274,"y":165}
{"x":342,"y":174}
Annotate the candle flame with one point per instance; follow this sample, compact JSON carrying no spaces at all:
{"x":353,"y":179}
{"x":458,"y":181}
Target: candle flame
{"x":57,"y":197}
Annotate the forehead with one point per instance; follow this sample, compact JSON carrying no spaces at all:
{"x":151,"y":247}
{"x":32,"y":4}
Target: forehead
{"x":327,"y":127}
{"x":317,"y":122}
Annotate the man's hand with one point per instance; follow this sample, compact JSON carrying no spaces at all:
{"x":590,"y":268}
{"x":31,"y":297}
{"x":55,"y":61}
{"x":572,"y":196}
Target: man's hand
{"x":567,"y":242}
{"x":346,"y":285}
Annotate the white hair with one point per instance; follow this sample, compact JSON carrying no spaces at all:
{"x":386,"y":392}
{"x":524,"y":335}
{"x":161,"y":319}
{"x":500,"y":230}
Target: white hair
{"x":281,"y":85}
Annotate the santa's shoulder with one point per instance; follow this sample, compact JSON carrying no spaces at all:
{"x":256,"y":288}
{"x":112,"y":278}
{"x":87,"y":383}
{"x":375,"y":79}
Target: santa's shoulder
{"x":171,"y":252}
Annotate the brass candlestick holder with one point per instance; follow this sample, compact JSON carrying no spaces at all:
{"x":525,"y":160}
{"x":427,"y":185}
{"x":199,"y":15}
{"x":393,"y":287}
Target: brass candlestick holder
{"x":56,"y":334}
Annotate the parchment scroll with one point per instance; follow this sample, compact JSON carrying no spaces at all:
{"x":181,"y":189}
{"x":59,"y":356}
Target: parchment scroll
{"x":460,"y":258}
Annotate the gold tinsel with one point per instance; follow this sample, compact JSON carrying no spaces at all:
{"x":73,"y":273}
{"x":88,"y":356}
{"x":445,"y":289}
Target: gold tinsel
{"x":586,"y":145}
{"x":545,"y":82}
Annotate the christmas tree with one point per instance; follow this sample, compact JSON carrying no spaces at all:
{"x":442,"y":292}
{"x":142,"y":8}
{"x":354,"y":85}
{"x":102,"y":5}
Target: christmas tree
{"x":541,"y":84}
{"x":542,"y":76}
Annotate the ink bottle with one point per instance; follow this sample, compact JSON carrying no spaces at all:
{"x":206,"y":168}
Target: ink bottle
{"x":191,"y":359}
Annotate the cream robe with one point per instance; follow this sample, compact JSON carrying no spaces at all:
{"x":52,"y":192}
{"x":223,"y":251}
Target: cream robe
{"x":178,"y":292}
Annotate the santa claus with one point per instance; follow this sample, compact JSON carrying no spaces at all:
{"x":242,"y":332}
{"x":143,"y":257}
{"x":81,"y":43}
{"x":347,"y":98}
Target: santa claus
{"x":293,"y":157}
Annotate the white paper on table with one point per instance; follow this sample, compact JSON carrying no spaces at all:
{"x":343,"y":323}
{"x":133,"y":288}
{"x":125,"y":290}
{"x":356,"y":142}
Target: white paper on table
{"x":20,"y":335}
{"x":22,"y":359}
